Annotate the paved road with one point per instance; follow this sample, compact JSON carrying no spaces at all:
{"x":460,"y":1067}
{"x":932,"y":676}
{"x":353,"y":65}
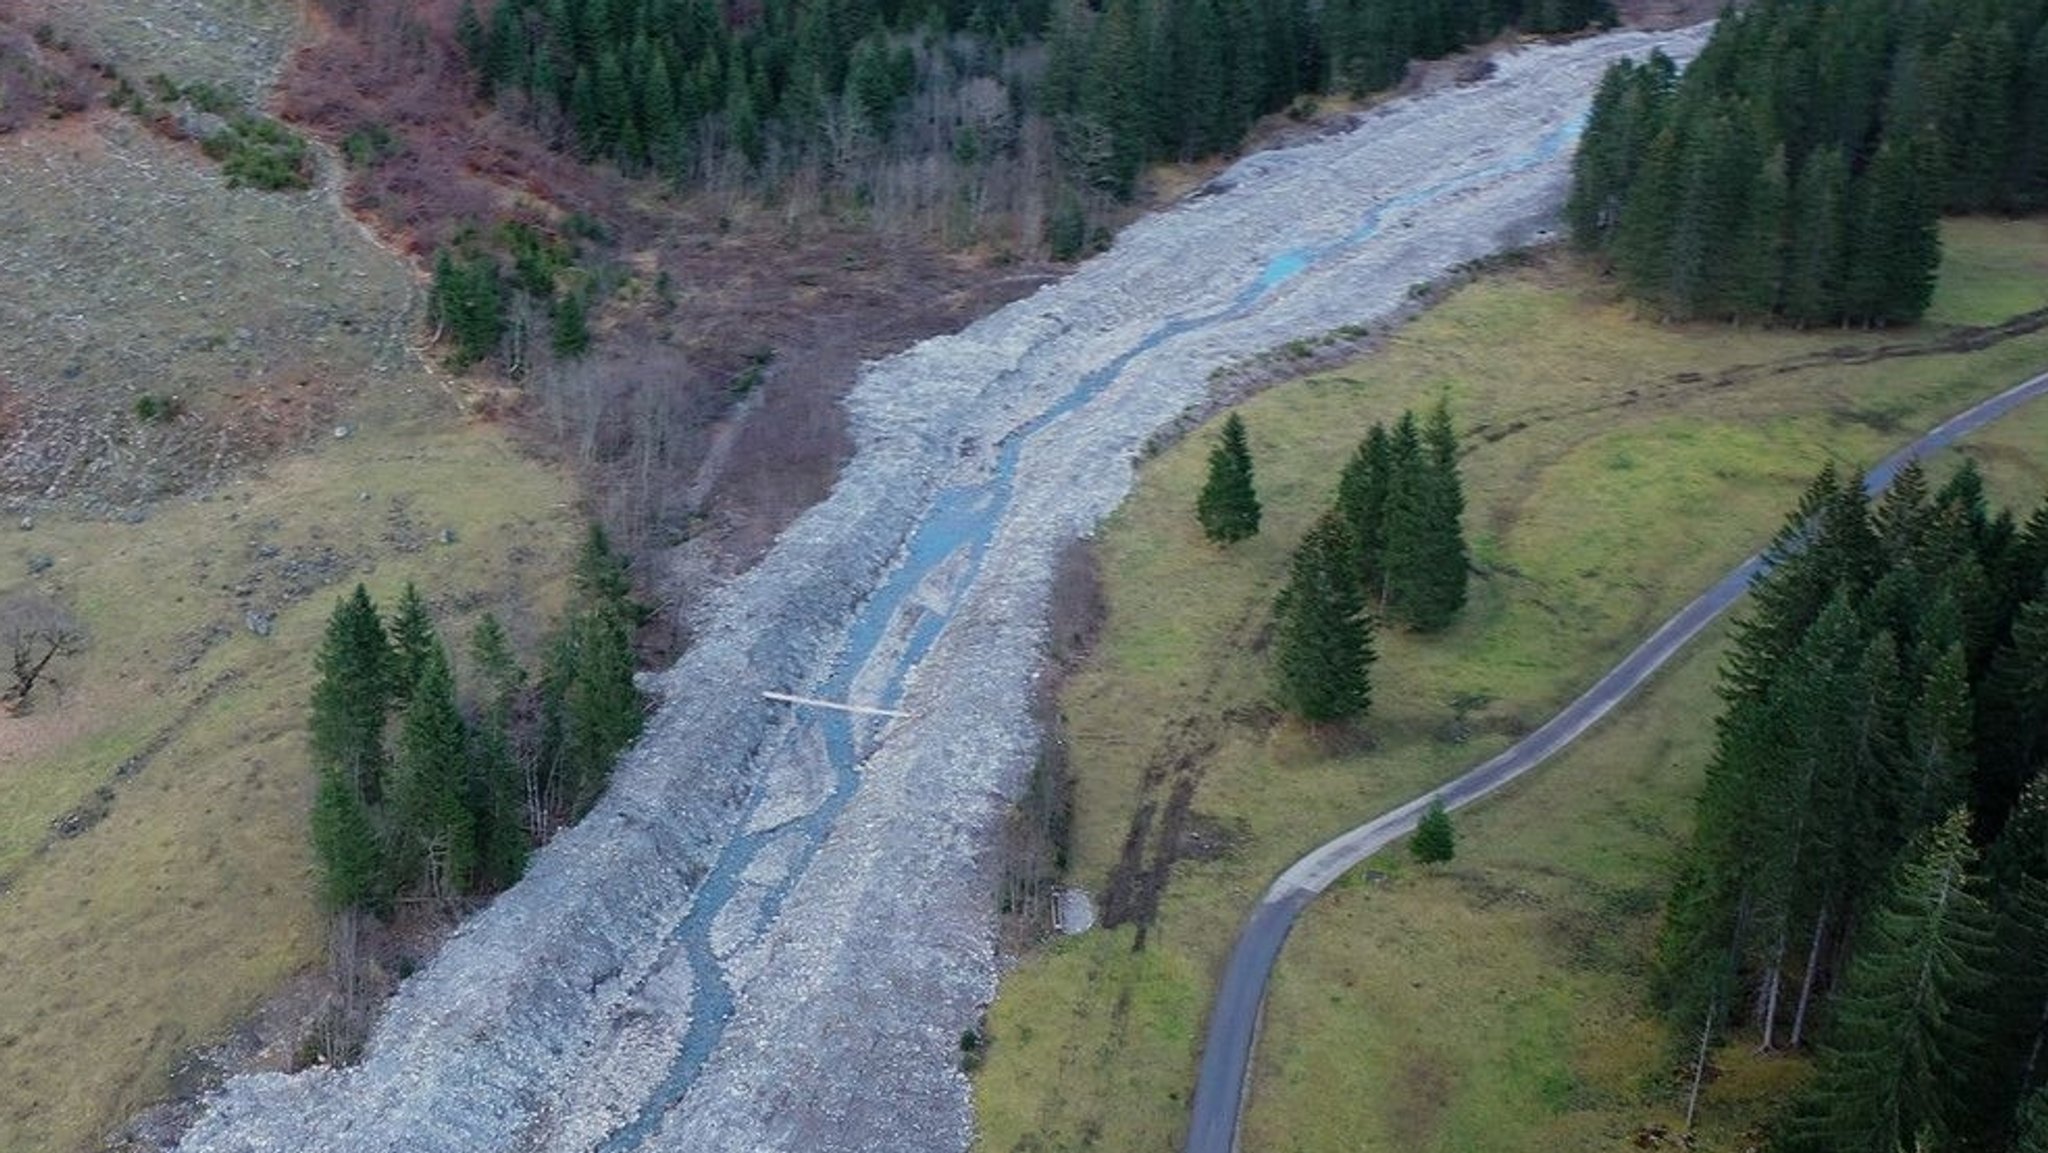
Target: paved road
{"x":1224,"y":1077}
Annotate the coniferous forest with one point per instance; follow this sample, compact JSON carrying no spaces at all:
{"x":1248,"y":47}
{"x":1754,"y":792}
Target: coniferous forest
{"x":670,"y":85}
{"x":1796,"y":171}
{"x":425,"y":791}
{"x":1869,"y":872}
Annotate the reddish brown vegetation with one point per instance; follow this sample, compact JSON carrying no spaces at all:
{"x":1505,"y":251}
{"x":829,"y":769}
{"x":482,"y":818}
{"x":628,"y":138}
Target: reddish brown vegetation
{"x":675,"y":428}
{"x":40,"y":77}
{"x":395,"y":64}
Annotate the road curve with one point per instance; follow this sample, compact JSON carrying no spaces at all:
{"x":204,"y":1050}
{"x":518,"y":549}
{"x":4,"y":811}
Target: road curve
{"x":1225,"y":1074}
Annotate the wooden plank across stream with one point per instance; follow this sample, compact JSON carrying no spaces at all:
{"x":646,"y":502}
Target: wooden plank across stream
{"x":863,"y":710}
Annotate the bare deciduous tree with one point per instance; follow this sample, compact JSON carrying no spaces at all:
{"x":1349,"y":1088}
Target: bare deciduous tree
{"x":35,"y":631}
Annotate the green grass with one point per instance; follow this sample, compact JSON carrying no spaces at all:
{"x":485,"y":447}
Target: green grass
{"x":2010,"y":277}
{"x":156,"y":929}
{"x":1495,"y":1003}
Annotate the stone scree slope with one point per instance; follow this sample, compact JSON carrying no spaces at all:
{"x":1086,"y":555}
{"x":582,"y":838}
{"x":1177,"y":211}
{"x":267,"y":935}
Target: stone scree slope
{"x":772,"y":930}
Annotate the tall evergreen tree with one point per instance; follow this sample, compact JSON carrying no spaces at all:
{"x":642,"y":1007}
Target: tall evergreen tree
{"x":1323,"y":639}
{"x":412,"y":642}
{"x":345,"y":843}
{"x":353,"y":695}
{"x":1449,"y":564}
{"x":1816,"y":261}
{"x":603,"y":577}
{"x":497,"y":784}
{"x":1887,"y":1075}
{"x":1897,"y":245}
{"x":1362,"y":502}
{"x":1937,"y":773}
{"x":1406,"y":523}
{"x":600,"y":707}
{"x":1228,"y":507}
{"x":434,"y":817}
{"x":571,"y":336}
{"x":2013,"y":725}
{"x":2015,"y":1002}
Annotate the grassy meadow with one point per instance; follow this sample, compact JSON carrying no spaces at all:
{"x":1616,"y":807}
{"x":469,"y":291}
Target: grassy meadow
{"x":1613,"y":469}
{"x":188,"y":896}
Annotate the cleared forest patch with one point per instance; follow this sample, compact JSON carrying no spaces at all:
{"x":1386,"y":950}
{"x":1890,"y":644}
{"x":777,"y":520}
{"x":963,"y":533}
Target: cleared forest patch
{"x":237,"y":44}
{"x":161,"y":331}
{"x":1612,"y":469}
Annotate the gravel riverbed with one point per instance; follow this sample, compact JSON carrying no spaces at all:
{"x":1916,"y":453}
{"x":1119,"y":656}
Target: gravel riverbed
{"x":771,"y":932}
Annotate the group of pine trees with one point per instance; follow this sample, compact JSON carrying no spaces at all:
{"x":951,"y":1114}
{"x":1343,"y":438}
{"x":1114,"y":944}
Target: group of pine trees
{"x":490,"y":292}
{"x":660,"y":85}
{"x":650,"y":84}
{"x":1402,"y":502}
{"x":1392,"y":547}
{"x":1797,"y":170}
{"x":426,"y":790}
{"x":1129,"y":81}
{"x":1869,"y":871}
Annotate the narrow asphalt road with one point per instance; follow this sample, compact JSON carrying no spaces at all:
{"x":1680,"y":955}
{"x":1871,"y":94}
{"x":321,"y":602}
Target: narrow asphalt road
{"x":1224,"y":1078}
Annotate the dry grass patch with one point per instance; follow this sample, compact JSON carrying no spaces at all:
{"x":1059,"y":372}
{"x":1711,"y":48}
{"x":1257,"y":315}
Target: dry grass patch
{"x":188,"y":896}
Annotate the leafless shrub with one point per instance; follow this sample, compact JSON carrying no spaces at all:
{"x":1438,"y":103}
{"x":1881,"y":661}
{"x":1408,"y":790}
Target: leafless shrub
{"x":35,"y":632}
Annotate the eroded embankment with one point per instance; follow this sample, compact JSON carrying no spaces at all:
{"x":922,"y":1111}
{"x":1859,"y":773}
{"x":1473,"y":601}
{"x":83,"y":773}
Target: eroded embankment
{"x":771,"y":932}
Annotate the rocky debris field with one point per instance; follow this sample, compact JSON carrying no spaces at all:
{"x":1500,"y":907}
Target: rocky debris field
{"x":160,"y":330}
{"x":772,"y":932}
{"x":236,"y":44}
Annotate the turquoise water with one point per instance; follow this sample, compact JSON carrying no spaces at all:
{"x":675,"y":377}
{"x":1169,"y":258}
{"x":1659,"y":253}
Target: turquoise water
{"x":961,"y":523}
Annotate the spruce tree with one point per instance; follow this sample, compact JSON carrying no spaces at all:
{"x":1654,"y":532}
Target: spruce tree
{"x":2026,"y":563}
{"x":604,"y":579}
{"x":1797,"y":888}
{"x":2012,"y":729}
{"x":1897,"y":245}
{"x":1937,"y":772}
{"x":434,"y":817}
{"x":614,"y":106}
{"x":1449,"y":565}
{"x":1423,"y":560}
{"x":1600,"y":168}
{"x":1228,"y":507}
{"x":571,"y":336}
{"x":504,"y":48}
{"x":496,"y":667}
{"x":497,"y":785}
{"x":664,"y":131}
{"x":1362,"y":502}
{"x":1323,"y":640}
{"x":585,"y":115}
{"x":353,"y":695}
{"x":1900,"y":520}
{"x":2027,"y":179}
{"x":412,"y":642}
{"x":345,"y":843}
{"x":2015,"y":1002}
{"x":601,"y":708}
{"x":590,"y":708}
{"x":496,"y":801}
{"x":1815,"y":262}
{"x":1435,"y":841}
{"x":1888,"y":1072}
{"x":1813,"y":553}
